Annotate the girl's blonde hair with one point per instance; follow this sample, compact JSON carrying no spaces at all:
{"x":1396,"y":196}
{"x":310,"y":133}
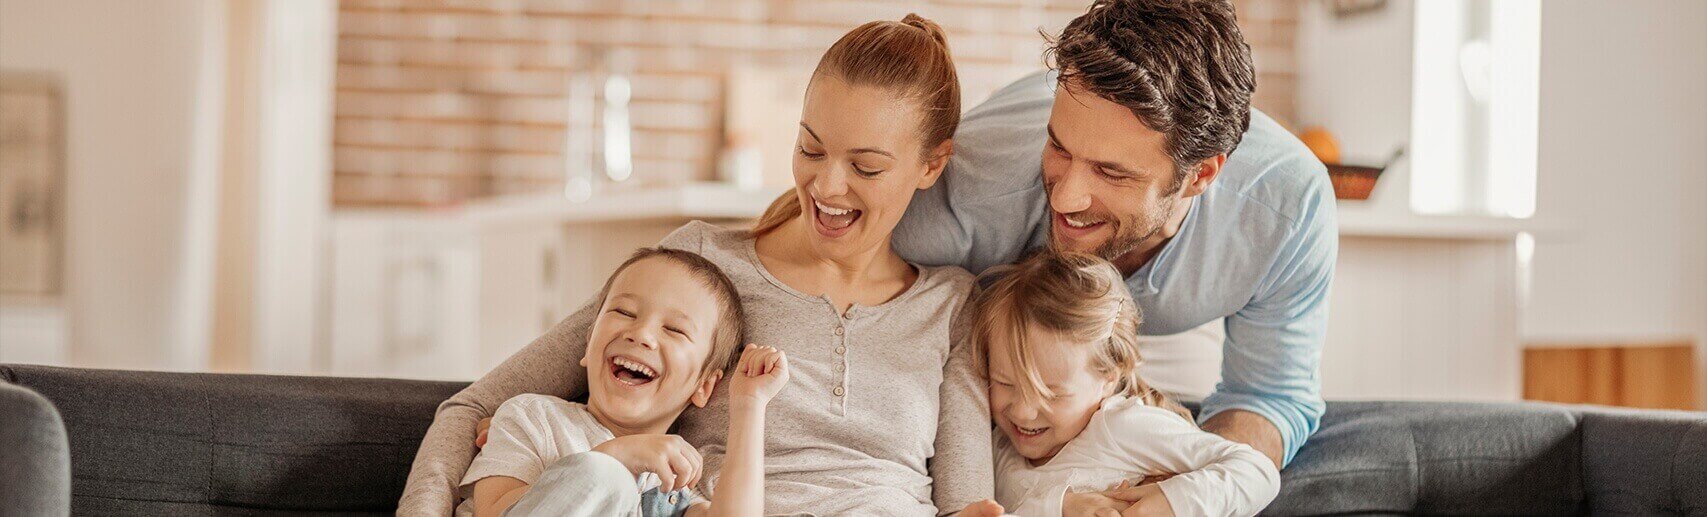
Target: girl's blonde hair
{"x":909,"y":57}
{"x":1076,"y":295}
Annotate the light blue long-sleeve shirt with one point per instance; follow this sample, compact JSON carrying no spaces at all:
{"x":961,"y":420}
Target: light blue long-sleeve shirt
{"x":1257,"y":248}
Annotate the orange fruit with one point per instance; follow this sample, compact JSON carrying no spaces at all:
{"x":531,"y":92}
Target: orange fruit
{"x":1321,"y":142}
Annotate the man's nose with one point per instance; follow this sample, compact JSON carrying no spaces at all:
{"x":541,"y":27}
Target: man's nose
{"x":1071,"y":192}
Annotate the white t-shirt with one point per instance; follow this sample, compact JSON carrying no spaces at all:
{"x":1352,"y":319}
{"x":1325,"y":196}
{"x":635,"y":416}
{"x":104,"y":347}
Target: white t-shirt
{"x":1129,"y":440}
{"x":529,"y":433}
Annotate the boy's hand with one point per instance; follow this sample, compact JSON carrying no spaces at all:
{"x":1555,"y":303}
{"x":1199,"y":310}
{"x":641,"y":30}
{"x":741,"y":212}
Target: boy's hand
{"x":676,"y":463}
{"x":480,"y":438}
{"x":760,"y":375}
{"x":985,"y":508}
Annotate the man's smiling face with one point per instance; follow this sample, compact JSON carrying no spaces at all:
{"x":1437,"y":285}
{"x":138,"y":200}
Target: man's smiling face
{"x":1110,"y":181}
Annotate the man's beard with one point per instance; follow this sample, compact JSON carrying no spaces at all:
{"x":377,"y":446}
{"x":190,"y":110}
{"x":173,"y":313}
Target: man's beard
{"x":1130,"y":232}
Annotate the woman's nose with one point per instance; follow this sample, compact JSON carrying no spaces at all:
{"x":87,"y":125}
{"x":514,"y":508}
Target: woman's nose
{"x":832,"y":183}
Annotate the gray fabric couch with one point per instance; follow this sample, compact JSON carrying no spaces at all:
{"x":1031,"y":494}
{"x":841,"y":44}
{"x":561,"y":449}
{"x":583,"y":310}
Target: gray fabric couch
{"x":149,"y":443}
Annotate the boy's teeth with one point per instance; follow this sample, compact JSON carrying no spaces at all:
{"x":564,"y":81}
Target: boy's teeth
{"x":637,"y":367}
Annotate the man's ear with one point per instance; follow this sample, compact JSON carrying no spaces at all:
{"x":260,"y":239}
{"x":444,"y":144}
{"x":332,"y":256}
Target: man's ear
{"x":1207,"y":170}
{"x":702,"y":395}
{"x":938,"y":161}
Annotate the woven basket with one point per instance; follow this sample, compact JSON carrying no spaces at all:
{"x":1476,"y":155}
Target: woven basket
{"x":1353,"y":181}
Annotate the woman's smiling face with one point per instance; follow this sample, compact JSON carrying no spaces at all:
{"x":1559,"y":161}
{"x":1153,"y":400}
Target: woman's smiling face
{"x":857,"y":161}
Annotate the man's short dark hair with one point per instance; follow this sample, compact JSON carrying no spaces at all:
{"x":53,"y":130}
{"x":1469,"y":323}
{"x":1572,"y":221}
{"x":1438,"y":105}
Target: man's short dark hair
{"x":1181,"y":66}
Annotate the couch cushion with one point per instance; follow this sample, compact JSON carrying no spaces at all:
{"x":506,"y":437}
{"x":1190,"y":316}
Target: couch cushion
{"x":1645,"y":462}
{"x":1436,"y":458}
{"x":154,"y":442}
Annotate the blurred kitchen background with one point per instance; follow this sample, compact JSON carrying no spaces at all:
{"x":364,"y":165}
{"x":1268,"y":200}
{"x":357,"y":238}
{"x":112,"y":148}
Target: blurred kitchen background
{"x":417,"y":188}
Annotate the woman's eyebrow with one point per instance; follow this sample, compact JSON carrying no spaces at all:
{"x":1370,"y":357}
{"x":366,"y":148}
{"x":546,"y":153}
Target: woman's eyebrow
{"x":809,"y":131}
{"x":872,"y":150}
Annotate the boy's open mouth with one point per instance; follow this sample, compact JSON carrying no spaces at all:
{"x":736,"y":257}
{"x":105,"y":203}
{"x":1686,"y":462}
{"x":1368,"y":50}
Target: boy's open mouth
{"x":631,"y":372}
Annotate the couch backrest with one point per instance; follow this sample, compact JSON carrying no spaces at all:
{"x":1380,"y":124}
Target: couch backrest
{"x":157,"y":443}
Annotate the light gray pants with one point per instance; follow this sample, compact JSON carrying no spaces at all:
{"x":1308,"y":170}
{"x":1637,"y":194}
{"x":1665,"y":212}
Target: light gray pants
{"x":589,"y":484}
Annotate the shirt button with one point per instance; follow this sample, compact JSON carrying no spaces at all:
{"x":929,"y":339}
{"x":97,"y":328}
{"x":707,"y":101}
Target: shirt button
{"x":839,"y":330}
{"x":841,"y":350}
{"x":839,"y":367}
{"x":672,"y":498}
{"x":839,"y":391}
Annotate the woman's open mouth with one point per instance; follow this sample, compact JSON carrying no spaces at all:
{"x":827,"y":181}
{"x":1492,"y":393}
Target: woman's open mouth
{"x":833,"y":221}
{"x":631,"y":372}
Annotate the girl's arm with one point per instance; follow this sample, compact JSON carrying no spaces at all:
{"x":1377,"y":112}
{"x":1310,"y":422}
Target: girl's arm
{"x":761,"y":373}
{"x":1218,"y":476}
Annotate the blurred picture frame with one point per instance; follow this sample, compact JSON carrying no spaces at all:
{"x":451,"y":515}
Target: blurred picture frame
{"x":32,"y":184}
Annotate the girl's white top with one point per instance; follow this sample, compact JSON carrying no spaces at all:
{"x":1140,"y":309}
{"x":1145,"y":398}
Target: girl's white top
{"x":1127,"y":439}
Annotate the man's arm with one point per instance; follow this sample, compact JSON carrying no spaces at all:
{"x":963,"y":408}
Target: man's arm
{"x":1270,"y":391}
{"x":1250,"y":429}
{"x":989,"y":205}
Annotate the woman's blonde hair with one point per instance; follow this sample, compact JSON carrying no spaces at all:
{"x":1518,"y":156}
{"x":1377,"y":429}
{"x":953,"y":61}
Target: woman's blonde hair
{"x":1076,"y":295}
{"x":909,"y":57}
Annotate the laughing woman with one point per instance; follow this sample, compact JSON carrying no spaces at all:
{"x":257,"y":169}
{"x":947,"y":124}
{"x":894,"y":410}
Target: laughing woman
{"x":884,"y":414}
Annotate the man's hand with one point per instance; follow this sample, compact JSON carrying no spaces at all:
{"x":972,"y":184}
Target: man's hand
{"x":480,"y":438}
{"x":676,"y":463}
{"x":759,"y":376}
{"x":1250,"y":429}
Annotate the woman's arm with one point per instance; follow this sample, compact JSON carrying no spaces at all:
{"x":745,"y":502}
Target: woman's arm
{"x":961,"y":470}
{"x":547,"y":366}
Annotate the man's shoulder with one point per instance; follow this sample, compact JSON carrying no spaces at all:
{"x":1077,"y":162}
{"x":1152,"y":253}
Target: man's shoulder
{"x":1273,"y":172}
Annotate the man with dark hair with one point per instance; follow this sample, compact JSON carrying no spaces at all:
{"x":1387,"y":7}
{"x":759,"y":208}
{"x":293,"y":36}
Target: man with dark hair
{"x":1153,"y":159}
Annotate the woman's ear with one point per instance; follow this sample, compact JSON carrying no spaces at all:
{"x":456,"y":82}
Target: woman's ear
{"x":938,"y":161}
{"x":702,"y":395}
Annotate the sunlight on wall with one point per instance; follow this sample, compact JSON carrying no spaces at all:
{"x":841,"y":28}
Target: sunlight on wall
{"x":1474,"y":118}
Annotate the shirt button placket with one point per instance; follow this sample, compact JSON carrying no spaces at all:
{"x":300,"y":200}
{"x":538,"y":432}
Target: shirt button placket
{"x":841,"y":362}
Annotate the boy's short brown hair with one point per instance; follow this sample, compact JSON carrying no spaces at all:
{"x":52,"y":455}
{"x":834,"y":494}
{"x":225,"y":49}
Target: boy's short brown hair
{"x":731,"y":328}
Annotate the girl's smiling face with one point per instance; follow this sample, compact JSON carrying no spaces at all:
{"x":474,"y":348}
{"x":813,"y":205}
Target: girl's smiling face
{"x":857,"y":161}
{"x":1038,"y":429}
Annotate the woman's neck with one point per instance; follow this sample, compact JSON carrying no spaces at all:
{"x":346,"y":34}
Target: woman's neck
{"x":789,"y":254}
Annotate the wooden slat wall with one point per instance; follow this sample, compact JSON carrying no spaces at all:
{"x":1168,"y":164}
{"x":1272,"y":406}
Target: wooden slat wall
{"x":444,"y":100}
{"x":1658,"y":376}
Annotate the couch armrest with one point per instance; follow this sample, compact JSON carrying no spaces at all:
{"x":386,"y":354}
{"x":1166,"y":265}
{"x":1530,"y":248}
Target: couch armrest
{"x":35,"y":461}
{"x":1644,"y":462}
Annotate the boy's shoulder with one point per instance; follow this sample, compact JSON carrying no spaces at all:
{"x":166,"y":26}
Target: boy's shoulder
{"x":534,"y":407}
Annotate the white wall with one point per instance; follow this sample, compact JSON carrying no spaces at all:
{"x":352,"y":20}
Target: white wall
{"x":1623,"y":156}
{"x":1354,"y":78}
{"x":144,"y":83}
